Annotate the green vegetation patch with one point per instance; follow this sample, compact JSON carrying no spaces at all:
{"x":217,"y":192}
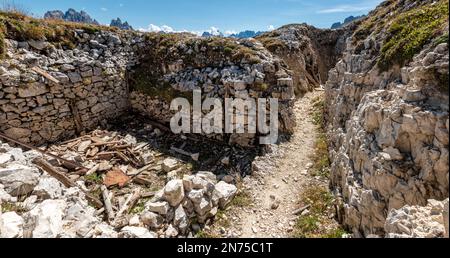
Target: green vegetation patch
{"x":271,"y":41}
{"x":17,"y":26}
{"x":12,"y":207}
{"x":317,"y":224}
{"x":242,"y":199}
{"x":321,"y":161}
{"x":410,"y":31}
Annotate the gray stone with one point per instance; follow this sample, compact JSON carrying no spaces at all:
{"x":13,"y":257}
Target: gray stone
{"x":48,"y":188}
{"x":171,"y":232}
{"x":169,"y":164}
{"x":48,"y":218}
{"x":11,"y":225}
{"x":32,"y":89}
{"x":138,"y":232}
{"x":152,"y":220}
{"x":38,"y":44}
{"x":174,"y":192}
{"x":181,"y":220}
{"x":75,"y":77}
{"x":225,"y":193}
{"x":19,"y":180}
{"x":161,"y":208}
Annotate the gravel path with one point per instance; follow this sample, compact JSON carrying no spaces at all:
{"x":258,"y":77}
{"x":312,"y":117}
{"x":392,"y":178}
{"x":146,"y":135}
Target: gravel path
{"x":276,"y":186}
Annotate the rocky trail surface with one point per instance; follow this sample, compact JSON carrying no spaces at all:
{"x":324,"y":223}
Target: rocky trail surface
{"x":274,"y":189}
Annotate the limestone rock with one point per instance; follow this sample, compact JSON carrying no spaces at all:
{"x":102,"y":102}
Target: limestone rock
{"x":18,"y":179}
{"x":174,"y":192}
{"x":151,"y":220}
{"x":138,"y":232}
{"x":48,"y":188}
{"x":416,"y":221}
{"x":181,"y":220}
{"x":48,"y":218}
{"x":169,"y":164}
{"x":225,"y":193}
{"x":161,"y":208}
{"x":11,"y":225}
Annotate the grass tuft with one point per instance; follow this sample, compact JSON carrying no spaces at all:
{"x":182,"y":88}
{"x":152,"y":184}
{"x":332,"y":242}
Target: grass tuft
{"x":321,"y":161}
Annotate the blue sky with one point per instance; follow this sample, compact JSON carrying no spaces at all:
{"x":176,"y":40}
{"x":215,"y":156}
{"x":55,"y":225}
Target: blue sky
{"x":201,"y":15}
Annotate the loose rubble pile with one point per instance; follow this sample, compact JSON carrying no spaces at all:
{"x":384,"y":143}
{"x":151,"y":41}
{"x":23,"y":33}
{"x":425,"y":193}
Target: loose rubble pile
{"x":430,"y":221}
{"x":35,"y":203}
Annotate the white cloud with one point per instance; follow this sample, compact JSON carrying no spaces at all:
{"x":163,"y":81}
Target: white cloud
{"x":104,"y":9}
{"x":156,"y":28}
{"x":345,"y":9}
{"x":214,"y":31}
{"x":229,"y":32}
{"x":270,"y":27}
{"x":120,"y":5}
{"x":166,"y":29}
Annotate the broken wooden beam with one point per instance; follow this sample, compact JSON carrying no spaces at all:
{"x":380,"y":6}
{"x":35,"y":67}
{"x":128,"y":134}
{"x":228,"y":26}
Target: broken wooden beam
{"x":107,"y":201}
{"x":52,"y":171}
{"x":64,"y":161}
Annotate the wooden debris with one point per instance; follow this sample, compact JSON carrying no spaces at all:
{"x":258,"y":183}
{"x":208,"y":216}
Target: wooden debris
{"x":93,"y":170}
{"x":142,"y":181}
{"x":107,"y":201}
{"x":64,"y":161}
{"x":65,"y":180}
{"x":116,"y":177}
{"x":127,"y":206}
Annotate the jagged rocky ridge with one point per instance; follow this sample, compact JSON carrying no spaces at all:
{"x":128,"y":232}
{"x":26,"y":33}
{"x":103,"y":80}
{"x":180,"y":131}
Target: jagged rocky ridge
{"x":121,"y":25}
{"x":71,"y":15}
{"x":309,"y":52}
{"x":346,"y":22}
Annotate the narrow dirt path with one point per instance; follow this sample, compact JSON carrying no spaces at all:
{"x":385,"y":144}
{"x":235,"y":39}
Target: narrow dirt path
{"x":276,"y":185}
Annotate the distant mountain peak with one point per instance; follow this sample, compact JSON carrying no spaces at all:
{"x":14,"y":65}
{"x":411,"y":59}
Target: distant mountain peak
{"x":347,"y":21}
{"x":71,"y":15}
{"x":121,"y":25}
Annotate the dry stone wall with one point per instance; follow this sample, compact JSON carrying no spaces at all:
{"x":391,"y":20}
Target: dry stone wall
{"x":219,"y":68}
{"x":86,"y":86}
{"x":91,"y":85}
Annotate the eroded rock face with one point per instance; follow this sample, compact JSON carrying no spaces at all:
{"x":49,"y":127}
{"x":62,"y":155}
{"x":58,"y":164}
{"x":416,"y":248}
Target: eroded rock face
{"x":388,"y":132}
{"x":418,"y":221}
{"x":309,"y":52}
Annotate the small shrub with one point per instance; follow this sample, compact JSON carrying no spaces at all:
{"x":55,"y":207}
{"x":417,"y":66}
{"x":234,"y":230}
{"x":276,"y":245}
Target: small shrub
{"x":139,"y":207}
{"x":94,"y":178}
{"x":205,"y":235}
{"x":336,"y":233}
{"x":306,"y":226}
{"x":242,"y":199}
{"x":12,"y":207}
